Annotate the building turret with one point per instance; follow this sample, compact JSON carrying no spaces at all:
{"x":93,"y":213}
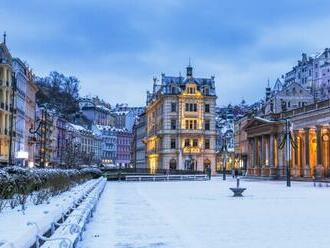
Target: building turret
{"x":268,"y":91}
{"x":189,"y":70}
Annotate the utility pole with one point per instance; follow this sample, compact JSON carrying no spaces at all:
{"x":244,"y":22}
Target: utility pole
{"x":11,"y":127}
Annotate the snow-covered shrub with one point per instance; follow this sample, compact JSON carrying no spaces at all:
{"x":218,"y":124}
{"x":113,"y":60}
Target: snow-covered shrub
{"x":17,"y":183}
{"x":94,"y":172}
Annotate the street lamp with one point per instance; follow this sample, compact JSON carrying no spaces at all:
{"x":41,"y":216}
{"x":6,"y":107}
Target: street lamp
{"x":287,"y":141}
{"x":224,"y":152}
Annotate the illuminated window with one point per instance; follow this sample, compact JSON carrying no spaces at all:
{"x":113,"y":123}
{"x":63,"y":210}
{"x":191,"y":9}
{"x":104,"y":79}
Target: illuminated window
{"x":186,"y":143}
{"x":191,"y":124}
{"x":191,"y":90}
{"x":195,"y":142}
{"x":191,"y":107}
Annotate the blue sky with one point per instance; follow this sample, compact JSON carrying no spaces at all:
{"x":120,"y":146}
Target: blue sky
{"x":116,"y":47}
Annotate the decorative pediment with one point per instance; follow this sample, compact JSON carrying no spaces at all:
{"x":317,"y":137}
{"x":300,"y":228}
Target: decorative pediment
{"x":257,"y":121}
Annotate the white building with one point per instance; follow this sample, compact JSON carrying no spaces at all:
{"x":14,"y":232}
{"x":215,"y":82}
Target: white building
{"x":21,"y":75}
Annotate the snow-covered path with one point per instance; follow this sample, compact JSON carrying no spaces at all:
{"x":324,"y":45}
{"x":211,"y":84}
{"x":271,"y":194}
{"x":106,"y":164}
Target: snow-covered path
{"x":203,"y":214}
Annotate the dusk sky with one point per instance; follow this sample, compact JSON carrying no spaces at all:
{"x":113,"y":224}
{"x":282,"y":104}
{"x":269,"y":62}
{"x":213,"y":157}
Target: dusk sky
{"x":116,"y":47}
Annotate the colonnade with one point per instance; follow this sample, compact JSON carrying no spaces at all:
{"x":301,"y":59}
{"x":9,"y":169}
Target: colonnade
{"x":309,"y":157}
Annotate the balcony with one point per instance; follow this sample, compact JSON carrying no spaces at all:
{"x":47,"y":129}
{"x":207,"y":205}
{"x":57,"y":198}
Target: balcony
{"x":191,"y":150}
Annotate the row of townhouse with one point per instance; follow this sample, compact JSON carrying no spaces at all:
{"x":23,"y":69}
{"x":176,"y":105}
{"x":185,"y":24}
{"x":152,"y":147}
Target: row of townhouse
{"x":17,"y":109}
{"x":116,"y":145}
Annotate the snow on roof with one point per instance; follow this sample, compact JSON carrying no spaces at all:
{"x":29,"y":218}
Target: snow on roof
{"x":110,"y":128}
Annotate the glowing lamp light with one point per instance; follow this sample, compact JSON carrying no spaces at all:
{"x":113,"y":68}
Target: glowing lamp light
{"x":31,"y":164}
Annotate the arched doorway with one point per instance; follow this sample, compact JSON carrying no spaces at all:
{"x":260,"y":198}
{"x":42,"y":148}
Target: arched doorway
{"x":207,"y":164}
{"x":172,"y":164}
{"x":190,"y":164}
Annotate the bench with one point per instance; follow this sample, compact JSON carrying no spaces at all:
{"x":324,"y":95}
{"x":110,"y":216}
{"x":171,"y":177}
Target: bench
{"x":69,"y":232}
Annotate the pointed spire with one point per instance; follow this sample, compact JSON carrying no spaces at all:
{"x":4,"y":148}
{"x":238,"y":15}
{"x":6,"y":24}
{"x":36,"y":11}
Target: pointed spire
{"x":189,"y":69}
{"x":4,"y":37}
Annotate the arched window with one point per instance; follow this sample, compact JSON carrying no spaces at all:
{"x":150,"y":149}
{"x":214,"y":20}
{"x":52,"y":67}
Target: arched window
{"x":172,"y":164}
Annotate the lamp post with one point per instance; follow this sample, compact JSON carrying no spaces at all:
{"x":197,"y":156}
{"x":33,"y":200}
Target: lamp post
{"x":42,"y":131}
{"x":224,"y":152}
{"x":11,"y":127}
{"x":287,"y":141}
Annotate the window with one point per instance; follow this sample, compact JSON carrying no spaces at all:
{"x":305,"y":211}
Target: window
{"x":289,"y":104}
{"x":206,"y":91}
{"x":195,"y":142}
{"x":173,"y":107}
{"x":173,"y":124}
{"x":172,"y":164}
{"x":207,"y":124}
{"x":186,"y":143}
{"x":191,"y":90}
{"x":173,"y":143}
{"x":191,"y":124}
{"x":191,"y":107}
{"x":207,"y":144}
{"x":173,"y":90}
{"x":207,"y":108}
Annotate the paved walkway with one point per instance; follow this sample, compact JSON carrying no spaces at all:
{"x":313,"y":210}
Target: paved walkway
{"x":204,"y":214}
{"x":125,"y":218}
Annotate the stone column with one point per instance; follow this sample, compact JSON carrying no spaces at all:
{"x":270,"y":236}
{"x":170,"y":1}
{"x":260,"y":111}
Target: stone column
{"x":271,"y":162}
{"x":263,"y":155}
{"x":295,"y":151}
{"x":319,"y":147}
{"x":255,"y":157}
{"x":307,"y":168}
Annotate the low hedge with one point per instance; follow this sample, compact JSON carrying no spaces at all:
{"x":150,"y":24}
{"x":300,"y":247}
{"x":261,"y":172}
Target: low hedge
{"x":17,"y":184}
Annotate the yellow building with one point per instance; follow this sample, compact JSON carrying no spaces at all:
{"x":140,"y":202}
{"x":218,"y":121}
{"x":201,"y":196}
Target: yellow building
{"x":5,"y":100}
{"x":180,"y":117}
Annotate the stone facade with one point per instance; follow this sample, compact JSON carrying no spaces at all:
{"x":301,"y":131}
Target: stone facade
{"x":180,"y":116}
{"x":6,"y":92}
{"x":285,"y":98}
{"x":313,"y":73}
{"x":138,"y":147}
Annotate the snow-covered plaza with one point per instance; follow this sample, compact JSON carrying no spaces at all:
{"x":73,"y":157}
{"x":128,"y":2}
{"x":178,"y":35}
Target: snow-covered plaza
{"x":204,"y":214}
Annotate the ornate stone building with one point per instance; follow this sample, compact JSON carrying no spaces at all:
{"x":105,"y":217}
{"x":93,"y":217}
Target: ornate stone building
{"x":6,"y":92}
{"x":310,"y":156}
{"x":180,"y":116}
{"x":313,"y":73}
{"x":138,"y":148}
{"x":284,"y":98}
